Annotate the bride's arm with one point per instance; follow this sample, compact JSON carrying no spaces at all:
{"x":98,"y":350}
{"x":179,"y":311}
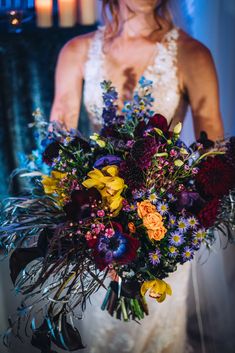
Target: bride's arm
{"x":68,"y":82}
{"x":201,"y":85}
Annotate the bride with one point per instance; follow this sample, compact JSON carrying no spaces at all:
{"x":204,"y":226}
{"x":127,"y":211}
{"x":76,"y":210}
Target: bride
{"x":140,"y":40}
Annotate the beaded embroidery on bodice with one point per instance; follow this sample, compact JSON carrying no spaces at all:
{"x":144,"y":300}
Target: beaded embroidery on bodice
{"x":163,"y":74}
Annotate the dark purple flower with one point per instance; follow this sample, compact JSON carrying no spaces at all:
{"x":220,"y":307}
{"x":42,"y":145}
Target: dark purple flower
{"x":189,"y":200}
{"x":107,"y":160}
{"x":80,"y":142}
{"x":143,"y":151}
{"x":80,"y":206}
{"x":51,"y":152}
{"x":131,"y":173}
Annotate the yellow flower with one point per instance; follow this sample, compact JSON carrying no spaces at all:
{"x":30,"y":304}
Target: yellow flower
{"x":51,"y":185}
{"x":109,"y":184}
{"x":96,"y":137}
{"x":158,"y":289}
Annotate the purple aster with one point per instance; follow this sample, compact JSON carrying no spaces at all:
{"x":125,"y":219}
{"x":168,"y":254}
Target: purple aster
{"x":173,"y":251}
{"x":192,"y":222}
{"x":182,"y":224}
{"x":188,"y":253}
{"x":177,"y":238}
{"x":162,"y":208}
{"x":172,"y":220}
{"x":200,"y":234}
{"x":155,"y":257}
{"x":196,"y":243}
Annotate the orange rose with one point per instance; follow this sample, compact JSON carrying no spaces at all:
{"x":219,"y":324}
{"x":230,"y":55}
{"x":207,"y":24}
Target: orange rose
{"x":153,"y":221}
{"x":157,"y":234}
{"x":131,"y":227}
{"x":144,"y":208}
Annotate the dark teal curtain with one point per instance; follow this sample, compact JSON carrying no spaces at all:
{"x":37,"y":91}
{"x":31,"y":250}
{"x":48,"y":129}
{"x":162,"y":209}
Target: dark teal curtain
{"x":27,"y":65}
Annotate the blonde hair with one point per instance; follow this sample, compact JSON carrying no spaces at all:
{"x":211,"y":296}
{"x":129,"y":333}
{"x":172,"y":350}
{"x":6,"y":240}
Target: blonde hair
{"x":113,"y":7}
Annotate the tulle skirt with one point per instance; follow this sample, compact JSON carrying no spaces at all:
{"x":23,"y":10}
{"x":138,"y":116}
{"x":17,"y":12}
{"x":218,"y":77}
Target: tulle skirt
{"x":162,"y":331}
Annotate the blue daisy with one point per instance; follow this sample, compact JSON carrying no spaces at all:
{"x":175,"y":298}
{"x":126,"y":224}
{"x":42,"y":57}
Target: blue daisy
{"x":200,"y":234}
{"x":162,"y":208}
{"x":188,"y":253}
{"x":155,"y":257}
{"x":177,"y":238}
{"x":172,"y":220}
{"x":182,"y":224}
{"x":192,"y":222}
{"x":173,"y":251}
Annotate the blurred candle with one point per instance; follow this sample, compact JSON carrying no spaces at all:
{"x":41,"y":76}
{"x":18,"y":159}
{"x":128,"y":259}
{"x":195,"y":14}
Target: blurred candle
{"x":67,"y":13}
{"x":87,"y":12}
{"x":44,"y":9}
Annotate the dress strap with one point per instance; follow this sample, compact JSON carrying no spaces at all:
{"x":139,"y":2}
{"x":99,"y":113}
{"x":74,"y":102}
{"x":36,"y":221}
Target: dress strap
{"x":171,"y":40}
{"x":95,"y":55}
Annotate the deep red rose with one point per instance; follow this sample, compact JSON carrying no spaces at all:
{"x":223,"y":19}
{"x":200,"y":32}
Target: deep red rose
{"x":207,"y":215}
{"x":158,"y":121}
{"x":215,"y":177}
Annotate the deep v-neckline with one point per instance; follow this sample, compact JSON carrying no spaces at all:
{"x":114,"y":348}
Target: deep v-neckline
{"x":149,"y":67}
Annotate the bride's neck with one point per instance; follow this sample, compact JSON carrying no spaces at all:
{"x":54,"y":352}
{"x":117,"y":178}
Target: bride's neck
{"x":134,"y":25}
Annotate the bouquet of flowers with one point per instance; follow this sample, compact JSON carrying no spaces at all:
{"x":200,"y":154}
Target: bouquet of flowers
{"x":129,"y":205}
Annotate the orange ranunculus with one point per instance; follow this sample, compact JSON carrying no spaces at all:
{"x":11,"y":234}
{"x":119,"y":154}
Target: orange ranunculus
{"x":131,"y":227}
{"x":144,"y":208}
{"x":157,"y":234}
{"x":153,"y":221}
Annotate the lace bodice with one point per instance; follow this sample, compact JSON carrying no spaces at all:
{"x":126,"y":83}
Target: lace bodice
{"x":162,"y":72}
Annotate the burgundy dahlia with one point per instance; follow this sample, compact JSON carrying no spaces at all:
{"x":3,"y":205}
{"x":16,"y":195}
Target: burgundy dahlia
{"x":215,"y":177}
{"x":207,"y":215}
{"x":131,"y":173}
{"x":143,"y":151}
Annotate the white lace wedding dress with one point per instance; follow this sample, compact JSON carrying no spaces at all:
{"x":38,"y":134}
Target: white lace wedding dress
{"x":164,"y":330}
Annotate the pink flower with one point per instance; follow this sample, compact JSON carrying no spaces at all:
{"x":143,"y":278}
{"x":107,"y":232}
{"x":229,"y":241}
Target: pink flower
{"x":100,"y":213}
{"x":109,"y":232}
{"x":173,"y":153}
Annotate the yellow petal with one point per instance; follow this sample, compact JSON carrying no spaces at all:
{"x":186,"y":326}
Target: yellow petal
{"x":111,"y":170}
{"x":58,"y":175}
{"x":91,"y":183}
{"x":101,"y":143}
{"x":116,"y":201}
{"x":96,"y":174}
{"x":116,"y":184}
{"x":161,"y":298}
